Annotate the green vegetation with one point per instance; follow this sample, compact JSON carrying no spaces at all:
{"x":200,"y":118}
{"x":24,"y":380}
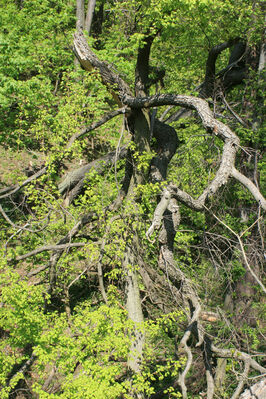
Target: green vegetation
{"x":131,"y":206}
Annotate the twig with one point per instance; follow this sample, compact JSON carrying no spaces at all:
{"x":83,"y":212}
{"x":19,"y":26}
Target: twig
{"x":243,"y":123}
{"x":16,"y":188}
{"x":242,"y":250}
{"x":97,"y":124}
{"x":242,"y":381}
{"x":5,"y":216}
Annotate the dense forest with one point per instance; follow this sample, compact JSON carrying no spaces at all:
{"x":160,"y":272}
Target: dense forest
{"x":131,"y":199}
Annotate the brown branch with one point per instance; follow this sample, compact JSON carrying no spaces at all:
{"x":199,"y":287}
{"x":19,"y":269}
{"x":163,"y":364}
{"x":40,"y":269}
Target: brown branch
{"x":201,"y":106}
{"x":220,"y":178}
{"x":237,"y":117}
{"x":211,"y":125}
{"x":158,"y":213}
{"x":256,"y":391}
{"x":207,"y":356}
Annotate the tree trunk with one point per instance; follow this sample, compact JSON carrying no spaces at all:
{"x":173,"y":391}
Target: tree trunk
{"x":89,"y":15}
{"x":80,"y":15}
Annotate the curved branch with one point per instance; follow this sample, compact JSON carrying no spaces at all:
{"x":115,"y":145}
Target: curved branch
{"x":14,"y":189}
{"x":211,"y":124}
{"x":158,"y":213}
{"x":89,"y":61}
{"x":208,"y":84}
{"x":250,"y":186}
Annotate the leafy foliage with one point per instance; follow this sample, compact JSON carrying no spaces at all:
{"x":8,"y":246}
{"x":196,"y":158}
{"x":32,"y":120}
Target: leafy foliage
{"x":56,"y":311}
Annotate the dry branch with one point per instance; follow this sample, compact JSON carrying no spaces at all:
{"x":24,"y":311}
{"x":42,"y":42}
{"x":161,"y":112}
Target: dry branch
{"x":256,"y":391}
{"x":49,"y":248}
{"x":14,"y":189}
{"x":107,"y":117}
{"x":89,"y":61}
{"x":250,"y":186}
{"x":77,"y":178}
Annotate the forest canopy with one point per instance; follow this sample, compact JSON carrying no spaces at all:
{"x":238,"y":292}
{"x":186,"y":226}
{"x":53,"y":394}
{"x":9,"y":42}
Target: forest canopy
{"x":132,"y":176}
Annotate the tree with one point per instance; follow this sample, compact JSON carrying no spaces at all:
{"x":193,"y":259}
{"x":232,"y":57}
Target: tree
{"x":104,"y":287}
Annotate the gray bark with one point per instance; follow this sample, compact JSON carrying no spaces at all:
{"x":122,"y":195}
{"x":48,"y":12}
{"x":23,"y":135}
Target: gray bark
{"x":74,"y":181}
{"x":80,"y":15}
{"x":89,"y":15}
{"x":262,"y":59}
{"x":256,"y":391}
{"x":89,"y":61}
{"x":135,"y":314}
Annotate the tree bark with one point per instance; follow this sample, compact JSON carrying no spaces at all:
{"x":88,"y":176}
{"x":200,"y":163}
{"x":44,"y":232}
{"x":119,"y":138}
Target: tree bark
{"x":80,"y":15}
{"x":256,"y":391}
{"x":89,"y":15}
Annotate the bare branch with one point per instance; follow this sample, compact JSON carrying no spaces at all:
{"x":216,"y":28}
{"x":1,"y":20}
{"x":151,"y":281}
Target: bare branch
{"x":250,"y":186}
{"x":256,"y":391}
{"x":238,"y":355}
{"x":242,"y":381}
{"x":49,"y":248}
{"x":201,"y":106}
{"x":243,"y":252}
{"x":158,"y":213}
{"x":78,"y":176}
{"x":107,"y":117}
{"x":240,"y":120}
{"x":14,"y":189}
{"x":90,"y":61}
